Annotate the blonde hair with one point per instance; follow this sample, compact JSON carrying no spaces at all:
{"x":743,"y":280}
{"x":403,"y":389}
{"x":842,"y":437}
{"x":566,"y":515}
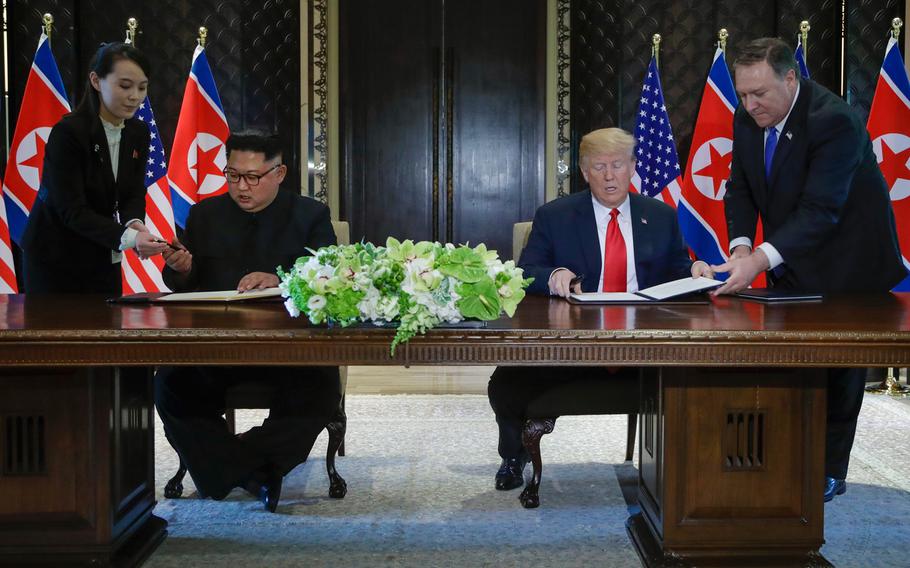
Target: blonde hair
{"x":605,"y":141}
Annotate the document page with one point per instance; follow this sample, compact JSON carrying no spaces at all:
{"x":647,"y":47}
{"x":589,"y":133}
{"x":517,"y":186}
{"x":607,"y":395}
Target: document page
{"x":220,"y":296}
{"x":607,"y":297}
{"x":679,"y":288}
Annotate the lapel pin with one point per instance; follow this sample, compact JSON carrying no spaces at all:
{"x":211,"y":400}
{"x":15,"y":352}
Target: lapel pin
{"x":789,"y":135}
{"x":644,"y":221}
{"x":97,"y":148}
{"x":135,"y":154}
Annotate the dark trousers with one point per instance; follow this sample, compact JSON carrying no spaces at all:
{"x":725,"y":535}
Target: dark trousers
{"x":845,"y":398}
{"x":191,"y":402}
{"x":511,"y":390}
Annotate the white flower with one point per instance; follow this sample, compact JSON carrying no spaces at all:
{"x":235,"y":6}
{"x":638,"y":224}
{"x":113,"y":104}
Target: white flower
{"x":291,"y":307}
{"x":316,"y":302}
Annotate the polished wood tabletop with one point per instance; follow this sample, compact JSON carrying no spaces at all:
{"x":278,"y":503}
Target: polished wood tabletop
{"x":843,"y":330}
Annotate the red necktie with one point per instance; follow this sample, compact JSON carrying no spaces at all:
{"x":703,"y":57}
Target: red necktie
{"x":614,"y":257}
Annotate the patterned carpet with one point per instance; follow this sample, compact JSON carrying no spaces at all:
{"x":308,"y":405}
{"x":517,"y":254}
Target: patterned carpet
{"x":420,"y":493}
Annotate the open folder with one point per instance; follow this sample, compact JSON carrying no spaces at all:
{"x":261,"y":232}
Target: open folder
{"x":659,"y":293}
{"x":216,"y":296}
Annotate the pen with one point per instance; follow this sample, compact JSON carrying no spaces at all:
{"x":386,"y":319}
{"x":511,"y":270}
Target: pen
{"x":577,"y":280}
{"x":172,"y":245}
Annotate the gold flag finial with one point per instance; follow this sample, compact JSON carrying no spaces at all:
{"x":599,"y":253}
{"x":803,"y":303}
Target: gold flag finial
{"x":804,"y":28}
{"x":896,"y":25}
{"x":655,"y":48}
{"x":203,"y":33}
{"x":722,"y":36}
{"x":48,"y":25}
{"x":131,"y":26}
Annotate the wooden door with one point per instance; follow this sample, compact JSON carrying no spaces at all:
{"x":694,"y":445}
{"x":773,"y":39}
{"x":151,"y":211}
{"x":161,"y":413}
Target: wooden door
{"x":442,"y":118}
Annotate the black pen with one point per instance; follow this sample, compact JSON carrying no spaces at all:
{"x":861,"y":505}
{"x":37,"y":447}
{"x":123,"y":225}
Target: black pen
{"x":576,"y":280}
{"x":172,"y":245}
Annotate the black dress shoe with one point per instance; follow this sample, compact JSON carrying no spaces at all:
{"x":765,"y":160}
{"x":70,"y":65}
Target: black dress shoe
{"x":834,"y":487}
{"x":511,"y":474}
{"x":270,"y":490}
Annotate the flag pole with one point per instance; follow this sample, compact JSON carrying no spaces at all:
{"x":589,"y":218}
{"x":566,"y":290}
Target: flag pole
{"x":131,"y":26}
{"x":48,"y":26}
{"x":655,"y":48}
{"x":203,"y":34}
{"x":891,"y":385}
{"x":804,"y":28}
{"x":722,"y":36}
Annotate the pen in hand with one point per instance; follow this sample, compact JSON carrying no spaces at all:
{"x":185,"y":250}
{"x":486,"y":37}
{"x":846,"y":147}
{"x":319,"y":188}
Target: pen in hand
{"x":171,"y":245}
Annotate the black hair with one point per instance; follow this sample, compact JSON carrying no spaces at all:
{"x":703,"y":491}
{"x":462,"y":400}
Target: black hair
{"x":102,"y":64}
{"x":771,"y":49}
{"x":255,"y":141}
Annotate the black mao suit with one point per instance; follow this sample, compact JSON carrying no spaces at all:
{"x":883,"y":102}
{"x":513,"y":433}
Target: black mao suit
{"x":564,"y":235}
{"x":827,"y":211}
{"x":75,"y":223}
{"x":228,"y":243}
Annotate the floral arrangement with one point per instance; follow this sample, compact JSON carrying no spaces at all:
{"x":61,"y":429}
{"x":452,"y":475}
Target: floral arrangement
{"x":414,"y":285}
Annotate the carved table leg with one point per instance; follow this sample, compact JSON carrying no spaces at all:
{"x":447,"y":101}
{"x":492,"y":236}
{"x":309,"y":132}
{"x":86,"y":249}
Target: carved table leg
{"x":533,"y":431}
{"x":337,"y":486}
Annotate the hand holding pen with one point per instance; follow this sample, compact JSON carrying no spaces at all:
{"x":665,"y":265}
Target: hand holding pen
{"x":564,"y":282}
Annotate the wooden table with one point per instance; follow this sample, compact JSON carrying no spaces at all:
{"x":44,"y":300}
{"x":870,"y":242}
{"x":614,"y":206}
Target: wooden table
{"x":732,"y":411}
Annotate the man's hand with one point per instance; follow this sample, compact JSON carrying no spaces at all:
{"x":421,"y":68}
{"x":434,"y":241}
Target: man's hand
{"x":560,"y":283}
{"x":179,"y":260}
{"x":701,"y":268}
{"x":257,"y":280}
{"x":148,"y":244}
{"x":742,"y":251}
{"x":742,"y":269}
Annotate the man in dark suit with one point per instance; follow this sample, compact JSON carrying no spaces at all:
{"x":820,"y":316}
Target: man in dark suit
{"x":804,"y":164}
{"x":611,"y":241}
{"x":232,"y":241}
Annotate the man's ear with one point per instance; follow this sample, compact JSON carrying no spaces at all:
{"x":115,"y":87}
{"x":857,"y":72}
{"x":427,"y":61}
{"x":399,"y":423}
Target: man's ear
{"x":281,"y":172}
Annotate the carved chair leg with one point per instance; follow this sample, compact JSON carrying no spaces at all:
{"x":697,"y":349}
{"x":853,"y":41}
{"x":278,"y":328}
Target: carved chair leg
{"x":533,"y":431}
{"x":174,"y":488}
{"x":230,"y":416}
{"x":341,"y":446}
{"x":630,"y":436}
{"x":337,"y":427}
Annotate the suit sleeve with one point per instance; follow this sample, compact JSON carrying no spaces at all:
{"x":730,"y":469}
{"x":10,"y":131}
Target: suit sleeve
{"x":132,"y":196}
{"x":834,"y":155}
{"x":739,"y":205}
{"x":321,"y":233}
{"x":63,"y":184}
{"x":537,"y":258}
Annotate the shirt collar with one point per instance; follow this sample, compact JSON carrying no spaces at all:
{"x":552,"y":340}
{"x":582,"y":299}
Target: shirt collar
{"x":602,"y":212}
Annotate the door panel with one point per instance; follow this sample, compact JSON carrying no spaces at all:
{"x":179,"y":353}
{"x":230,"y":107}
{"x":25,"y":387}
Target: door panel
{"x":442,"y":118}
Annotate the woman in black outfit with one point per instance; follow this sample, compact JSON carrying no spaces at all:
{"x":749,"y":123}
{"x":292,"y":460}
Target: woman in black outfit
{"x":91,"y":202}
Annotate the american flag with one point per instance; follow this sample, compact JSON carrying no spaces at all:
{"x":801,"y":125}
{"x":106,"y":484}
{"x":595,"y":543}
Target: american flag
{"x":145,"y":275}
{"x":657,"y":173}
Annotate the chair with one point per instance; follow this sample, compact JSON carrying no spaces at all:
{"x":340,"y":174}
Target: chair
{"x":617,"y":393}
{"x":251,"y":395}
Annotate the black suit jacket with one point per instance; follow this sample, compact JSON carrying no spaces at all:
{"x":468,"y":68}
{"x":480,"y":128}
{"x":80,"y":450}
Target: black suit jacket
{"x":564,"y":235}
{"x":72,"y":225}
{"x":826,"y":207}
{"x":228,"y":243}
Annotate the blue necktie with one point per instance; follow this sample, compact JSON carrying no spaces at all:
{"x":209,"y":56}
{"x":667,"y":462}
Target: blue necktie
{"x":770,"y":145}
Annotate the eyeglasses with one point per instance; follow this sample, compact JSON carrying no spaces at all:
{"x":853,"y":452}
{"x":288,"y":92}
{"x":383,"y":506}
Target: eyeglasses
{"x":252,"y":180}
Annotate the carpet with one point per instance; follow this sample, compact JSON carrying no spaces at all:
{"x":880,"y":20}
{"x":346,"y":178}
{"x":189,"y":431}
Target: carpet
{"x":420,"y":493}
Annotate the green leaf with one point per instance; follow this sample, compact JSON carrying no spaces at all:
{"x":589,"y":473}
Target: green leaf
{"x":463,"y":263}
{"x":479,"y":300}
